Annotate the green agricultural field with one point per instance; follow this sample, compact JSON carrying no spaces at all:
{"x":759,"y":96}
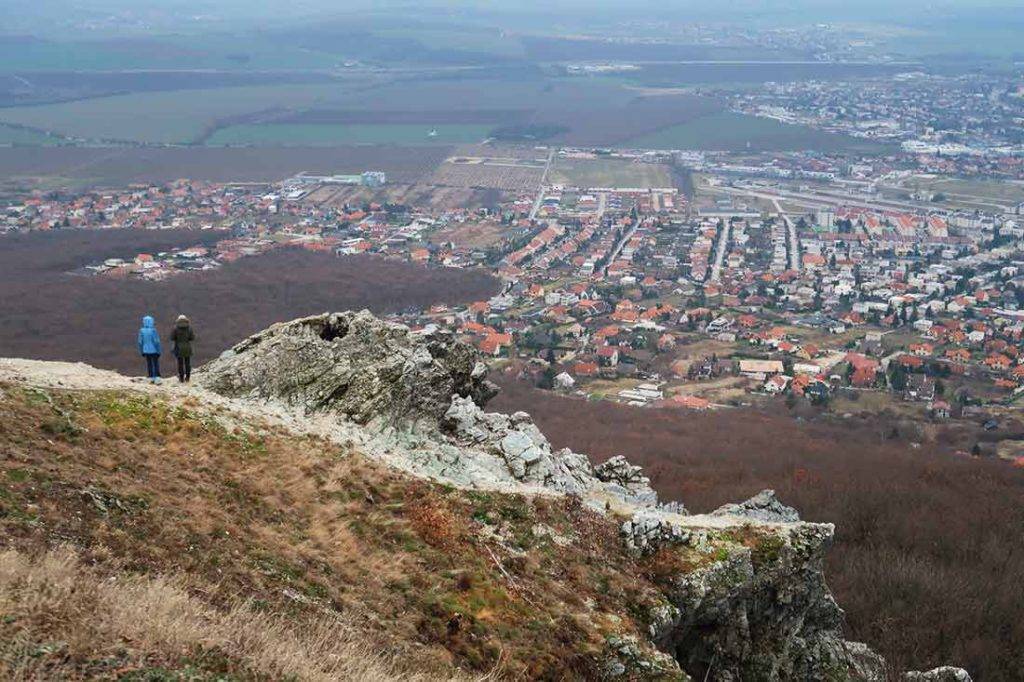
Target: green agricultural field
{"x":24,"y":136}
{"x":163,"y":117}
{"x":181,"y":52}
{"x":608,"y":173}
{"x":186,"y":116}
{"x":729,"y":131}
{"x":345,"y":134}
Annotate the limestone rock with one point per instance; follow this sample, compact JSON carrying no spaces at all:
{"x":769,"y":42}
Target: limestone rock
{"x":661,"y":620}
{"x":764,"y":507}
{"x":351,"y":364}
{"x":519,"y":444}
{"x":749,"y":601}
{"x":630,"y":478}
{"x":418,"y":395}
{"x":624,"y":658}
{"x":945,"y":673}
{"x":767,"y":617}
{"x":648,"y":530}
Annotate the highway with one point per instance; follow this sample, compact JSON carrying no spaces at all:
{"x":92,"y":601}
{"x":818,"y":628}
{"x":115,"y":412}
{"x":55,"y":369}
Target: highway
{"x":824,"y":199}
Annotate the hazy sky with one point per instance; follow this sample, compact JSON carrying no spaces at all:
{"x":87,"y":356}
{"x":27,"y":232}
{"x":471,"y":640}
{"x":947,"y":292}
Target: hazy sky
{"x":966,"y":22}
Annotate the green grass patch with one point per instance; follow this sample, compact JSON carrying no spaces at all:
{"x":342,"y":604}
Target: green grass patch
{"x":26,"y":137}
{"x":163,"y":117}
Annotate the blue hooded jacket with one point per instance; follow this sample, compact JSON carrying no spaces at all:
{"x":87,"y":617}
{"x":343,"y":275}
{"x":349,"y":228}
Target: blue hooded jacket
{"x":149,"y":338}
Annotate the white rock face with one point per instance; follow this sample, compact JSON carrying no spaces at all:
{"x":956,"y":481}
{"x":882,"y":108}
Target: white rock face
{"x":649,"y":530}
{"x":629,"y":479}
{"x":764,"y":507}
{"x":945,"y":673}
{"x":420,"y":397}
{"x":352,"y":365}
{"x":519,"y":444}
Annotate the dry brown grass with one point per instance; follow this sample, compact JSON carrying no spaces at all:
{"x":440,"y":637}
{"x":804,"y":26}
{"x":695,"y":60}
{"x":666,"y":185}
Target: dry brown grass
{"x":86,"y":617}
{"x":301,"y":532}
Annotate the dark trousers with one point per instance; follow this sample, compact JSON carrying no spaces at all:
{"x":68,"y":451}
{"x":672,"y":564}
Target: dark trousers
{"x":152,"y":365}
{"x":184,"y":368}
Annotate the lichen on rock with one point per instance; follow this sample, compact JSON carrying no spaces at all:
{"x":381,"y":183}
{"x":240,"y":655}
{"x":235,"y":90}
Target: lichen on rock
{"x":351,"y":364}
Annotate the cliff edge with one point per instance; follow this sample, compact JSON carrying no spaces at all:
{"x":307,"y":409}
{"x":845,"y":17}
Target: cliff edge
{"x":314,"y":458}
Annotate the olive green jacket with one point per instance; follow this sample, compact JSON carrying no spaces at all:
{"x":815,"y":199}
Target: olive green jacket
{"x":182,"y":337}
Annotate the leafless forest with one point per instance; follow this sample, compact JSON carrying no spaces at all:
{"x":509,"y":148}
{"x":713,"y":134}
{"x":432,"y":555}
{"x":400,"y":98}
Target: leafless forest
{"x":48,"y":314}
{"x":928,"y":562}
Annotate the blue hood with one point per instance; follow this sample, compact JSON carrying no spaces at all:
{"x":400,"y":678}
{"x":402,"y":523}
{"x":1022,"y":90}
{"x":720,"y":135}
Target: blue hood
{"x":149,"y":339}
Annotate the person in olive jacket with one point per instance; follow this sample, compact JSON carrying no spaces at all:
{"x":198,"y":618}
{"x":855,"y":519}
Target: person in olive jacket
{"x":182,"y":337}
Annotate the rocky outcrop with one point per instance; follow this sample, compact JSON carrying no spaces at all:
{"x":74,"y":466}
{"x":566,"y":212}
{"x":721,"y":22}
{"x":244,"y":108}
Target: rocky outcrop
{"x":517,"y":444}
{"x":353,"y":365}
{"x":418,"y":396}
{"x":761,"y":609}
{"x":648,"y":530}
{"x":746,"y":597}
{"x":764,"y":507}
{"x":625,"y":657}
{"x":944,"y":673}
{"x":628,"y":477}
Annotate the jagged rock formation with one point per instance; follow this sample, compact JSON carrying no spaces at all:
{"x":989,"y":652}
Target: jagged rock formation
{"x":942,"y":674}
{"x":765,"y":613}
{"x":418,"y":395}
{"x":748,"y":599}
{"x":354,"y":365}
{"x":763,"y":507}
{"x":628,"y":477}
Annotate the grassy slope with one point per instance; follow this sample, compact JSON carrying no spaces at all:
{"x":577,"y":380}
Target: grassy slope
{"x":219,"y":534}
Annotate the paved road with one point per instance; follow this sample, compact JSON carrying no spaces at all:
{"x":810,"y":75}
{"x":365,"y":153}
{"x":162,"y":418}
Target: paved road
{"x":828,"y":198}
{"x":619,"y":246}
{"x":721,"y":242}
{"x":540,"y":189}
{"x":792,"y":239}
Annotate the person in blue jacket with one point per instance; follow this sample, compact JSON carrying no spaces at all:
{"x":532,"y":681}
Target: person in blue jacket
{"x":149,"y":348}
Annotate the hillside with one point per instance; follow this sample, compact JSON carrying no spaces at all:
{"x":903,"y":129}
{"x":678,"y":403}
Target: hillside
{"x":330,"y":488}
{"x":927,"y":562}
